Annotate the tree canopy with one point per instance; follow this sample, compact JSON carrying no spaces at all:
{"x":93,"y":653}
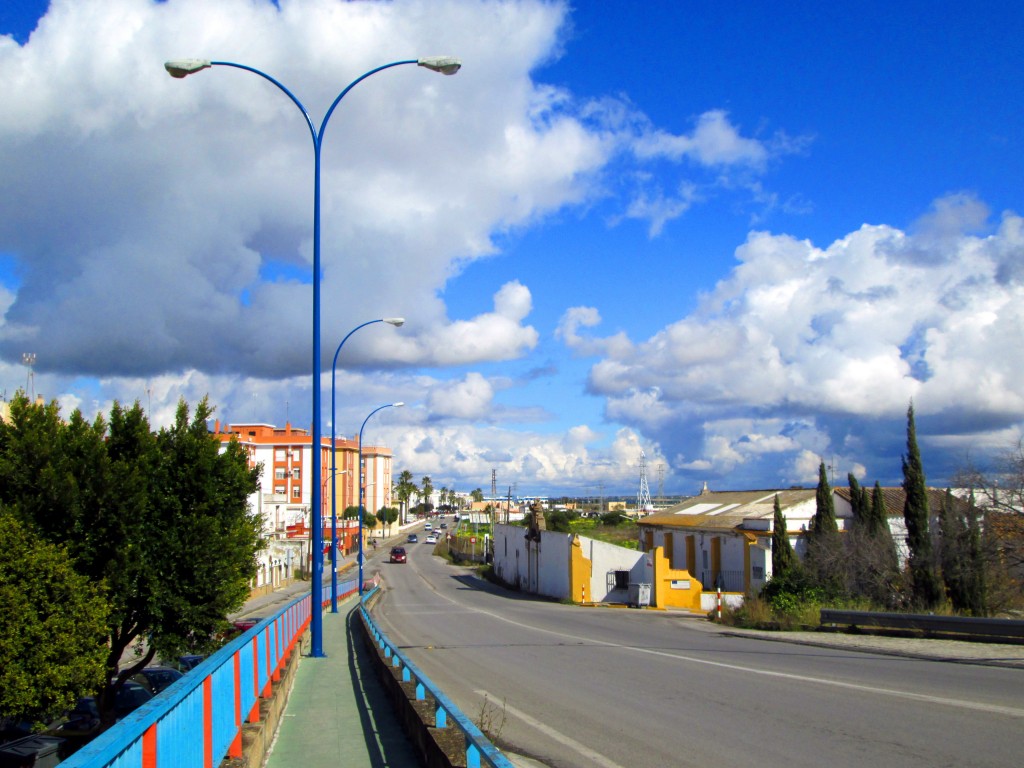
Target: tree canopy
{"x":161,"y":520}
{"x":53,"y":622}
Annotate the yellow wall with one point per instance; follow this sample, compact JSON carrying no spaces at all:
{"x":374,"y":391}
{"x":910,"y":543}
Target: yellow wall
{"x":662,"y":593}
{"x":580,"y":572}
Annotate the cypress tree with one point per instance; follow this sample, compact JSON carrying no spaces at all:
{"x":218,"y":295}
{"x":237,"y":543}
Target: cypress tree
{"x":824,"y":549}
{"x":858,"y":499}
{"x":953,"y":541}
{"x":977,"y":581}
{"x":925,"y":586}
{"x":783,"y":556}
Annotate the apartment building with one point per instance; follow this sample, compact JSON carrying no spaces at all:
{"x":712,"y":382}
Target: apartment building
{"x":284,"y":499}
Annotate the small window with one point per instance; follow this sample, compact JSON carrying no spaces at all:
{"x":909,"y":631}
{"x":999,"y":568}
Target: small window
{"x":621,"y":579}
{"x":757,"y":571}
{"x":296,"y":492}
{"x":279,"y":489}
{"x":279,"y":474}
{"x":280,"y":454}
{"x":296,"y":473}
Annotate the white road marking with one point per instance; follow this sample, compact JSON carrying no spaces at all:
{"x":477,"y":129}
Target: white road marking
{"x":956,"y":703}
{"x":596,"y":758}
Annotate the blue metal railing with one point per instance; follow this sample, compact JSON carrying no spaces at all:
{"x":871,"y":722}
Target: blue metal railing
{"x":478,"y":747}
{"x":198,"y":720}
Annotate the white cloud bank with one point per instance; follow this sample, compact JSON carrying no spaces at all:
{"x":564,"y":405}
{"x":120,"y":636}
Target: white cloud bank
{"x":803,"y":349}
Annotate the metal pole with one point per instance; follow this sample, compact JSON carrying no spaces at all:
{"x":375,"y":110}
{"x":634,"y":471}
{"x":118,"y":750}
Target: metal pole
{"x":359,"y":470}
{"x":396,"y":321}
{"x":446,"y":65}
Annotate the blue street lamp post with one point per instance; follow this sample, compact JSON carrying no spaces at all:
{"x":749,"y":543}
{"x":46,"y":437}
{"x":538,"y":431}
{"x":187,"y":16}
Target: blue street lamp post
{"x":397,"y":322}
{"x":359,"y":470}
{"x":183,"y":67}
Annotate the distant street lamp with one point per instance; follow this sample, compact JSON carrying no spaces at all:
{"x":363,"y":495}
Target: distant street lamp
{"x":397,"y":322}
{"x":359,"y":470}
{"x":182,"y":68}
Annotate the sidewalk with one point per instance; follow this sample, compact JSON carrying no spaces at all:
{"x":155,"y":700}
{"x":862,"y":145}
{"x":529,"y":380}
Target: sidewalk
{"x":335,"y":716}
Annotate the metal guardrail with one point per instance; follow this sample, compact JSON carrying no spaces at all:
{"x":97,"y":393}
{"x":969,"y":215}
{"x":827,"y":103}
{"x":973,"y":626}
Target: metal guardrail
{"x":478,"y":747}
{"x":1008,"y":629}
{"x":198,"y":720}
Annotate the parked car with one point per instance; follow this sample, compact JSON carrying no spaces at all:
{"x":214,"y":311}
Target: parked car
{"x":413,"y":538}
{"x":189,"y":662}
{"x":155,"y":679}
{"x":244,"y":624}
{"x":398,"y":554}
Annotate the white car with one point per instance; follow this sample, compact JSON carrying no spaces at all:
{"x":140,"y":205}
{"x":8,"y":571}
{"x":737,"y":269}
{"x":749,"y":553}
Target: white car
{"x":432,"y":539}
{"x":428,"y":527}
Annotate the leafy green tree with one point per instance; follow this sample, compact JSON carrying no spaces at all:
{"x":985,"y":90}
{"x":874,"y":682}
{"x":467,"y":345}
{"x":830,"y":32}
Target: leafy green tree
{"x":783,"y":556}
{"x":162,"y":520}
{"x":926,"y":587}
{"x":558,"y":520}
{"x":53,"y":623}
{"x":351,"y":512}
{"x":613,"y":518}
{"x":963,"y":564}
{"x":369,"y":520}
{"x":477,"y":494}
{"x":387,"y":516}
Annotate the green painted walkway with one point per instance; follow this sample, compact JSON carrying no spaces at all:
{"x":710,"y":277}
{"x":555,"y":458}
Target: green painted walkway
{"x":338,"y":714}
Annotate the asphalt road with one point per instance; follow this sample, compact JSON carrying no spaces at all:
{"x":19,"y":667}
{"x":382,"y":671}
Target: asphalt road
{"x":571,"y":686}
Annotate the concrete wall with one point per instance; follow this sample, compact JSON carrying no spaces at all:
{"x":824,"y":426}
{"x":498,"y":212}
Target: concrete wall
{"x":564,"y":566}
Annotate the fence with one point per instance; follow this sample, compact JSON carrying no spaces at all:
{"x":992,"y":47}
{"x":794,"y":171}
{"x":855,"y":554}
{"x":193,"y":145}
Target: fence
{"x":198,"y":721}
{"x":1009,"y":630}
{"x":478,"y":747}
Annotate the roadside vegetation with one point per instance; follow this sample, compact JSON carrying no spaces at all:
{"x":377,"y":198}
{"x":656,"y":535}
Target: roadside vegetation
{"x":960,"y":561}
{"x":115,"y":537}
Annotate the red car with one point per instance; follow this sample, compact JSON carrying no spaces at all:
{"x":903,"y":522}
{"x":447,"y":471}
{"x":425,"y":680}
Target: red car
{"x":398,"y":554}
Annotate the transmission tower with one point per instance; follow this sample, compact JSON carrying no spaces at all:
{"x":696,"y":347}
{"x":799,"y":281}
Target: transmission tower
{"x":644,"y":506}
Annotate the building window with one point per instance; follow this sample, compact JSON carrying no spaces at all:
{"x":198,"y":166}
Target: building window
{"x":279,"y":489}
{"x":296,"y":473}
{"x":296,"y":492}
{"x":621,"y":579}
{"x":279,"y":473}
{"x":280,"y":454}
{"x":757,"y":571}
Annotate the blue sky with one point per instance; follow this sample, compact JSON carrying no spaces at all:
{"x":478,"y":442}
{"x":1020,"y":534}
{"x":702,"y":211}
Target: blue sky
{"x":738,"y":239}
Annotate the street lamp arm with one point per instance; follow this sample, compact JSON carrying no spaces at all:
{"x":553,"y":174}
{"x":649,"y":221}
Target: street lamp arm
{"x":356,"y":82}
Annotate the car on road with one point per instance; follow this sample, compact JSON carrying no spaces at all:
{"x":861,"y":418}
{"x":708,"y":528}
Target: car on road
{"x":444,"y":525}
{"x":397,"y":555}
{"x":413,"y":538}
{"x":428,"y":526}
{"x":432,"y":539}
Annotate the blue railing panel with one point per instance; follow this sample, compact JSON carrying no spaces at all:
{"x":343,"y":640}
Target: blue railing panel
{"x":178,"y":713}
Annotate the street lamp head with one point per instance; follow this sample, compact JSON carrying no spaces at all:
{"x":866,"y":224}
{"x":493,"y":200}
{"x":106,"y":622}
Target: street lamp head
{"x":446,"y":65}
{"x":183,"y":67}
{"x":398,"y":322}
{"x":397,"y":405}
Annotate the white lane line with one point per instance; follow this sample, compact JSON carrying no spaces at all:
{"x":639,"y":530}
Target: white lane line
{"x":596,"y":758}
{"x":956,"y":703}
